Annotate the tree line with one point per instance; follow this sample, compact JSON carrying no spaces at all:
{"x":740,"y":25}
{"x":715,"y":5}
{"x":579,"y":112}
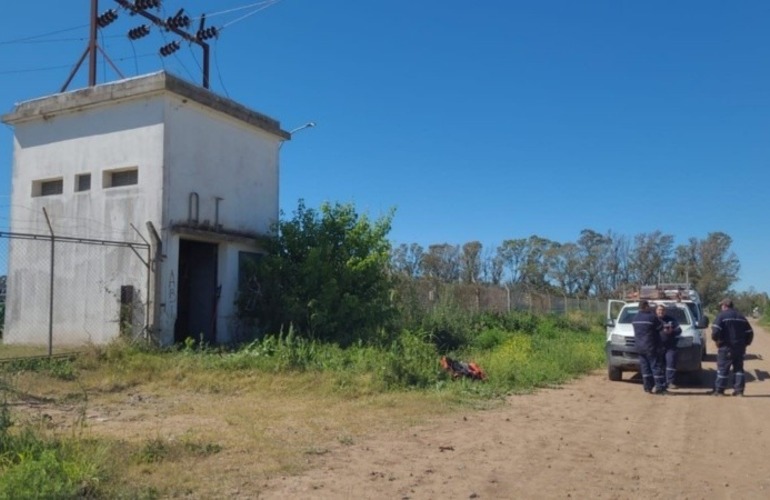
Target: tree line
{"x":332,"y":274}
{"x":595,"y":265}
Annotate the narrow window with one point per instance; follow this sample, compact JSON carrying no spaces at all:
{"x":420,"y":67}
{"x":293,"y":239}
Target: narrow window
{"x":123,"y":177}
{"x":48,"y":187}
{"x":83,"y":182}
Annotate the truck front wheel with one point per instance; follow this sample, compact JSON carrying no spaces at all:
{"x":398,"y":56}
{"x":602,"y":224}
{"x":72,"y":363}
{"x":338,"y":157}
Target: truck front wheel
{"x":614,"y":374}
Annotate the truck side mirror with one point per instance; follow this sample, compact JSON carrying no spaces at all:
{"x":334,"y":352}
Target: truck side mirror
{"x":703,"y":322}
{"x":609,"y":322}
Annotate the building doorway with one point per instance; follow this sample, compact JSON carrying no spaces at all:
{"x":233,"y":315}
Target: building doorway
{"x":198,"y":292}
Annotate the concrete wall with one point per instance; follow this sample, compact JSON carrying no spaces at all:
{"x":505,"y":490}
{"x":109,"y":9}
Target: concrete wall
{"x":214,"y":156}
{"x":217,"y":156}
{"x":87,"y":280}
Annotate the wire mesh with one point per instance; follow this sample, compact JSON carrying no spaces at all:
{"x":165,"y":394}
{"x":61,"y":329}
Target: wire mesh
{"x":61,"y":294}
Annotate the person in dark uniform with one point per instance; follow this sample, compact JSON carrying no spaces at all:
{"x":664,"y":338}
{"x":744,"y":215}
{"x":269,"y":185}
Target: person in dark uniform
{"x":647,"y":331}
{"x":732,"y":333}
{"x":669,"y":337}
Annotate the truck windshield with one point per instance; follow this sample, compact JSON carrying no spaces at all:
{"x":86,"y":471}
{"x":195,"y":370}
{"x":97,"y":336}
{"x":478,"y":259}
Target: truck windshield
{"x":627,"y":315}
{"x":679,"y":315}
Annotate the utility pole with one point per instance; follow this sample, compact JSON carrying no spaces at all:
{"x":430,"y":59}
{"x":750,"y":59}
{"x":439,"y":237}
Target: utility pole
{"x":97,"y":21}
{"x":173,"y":24}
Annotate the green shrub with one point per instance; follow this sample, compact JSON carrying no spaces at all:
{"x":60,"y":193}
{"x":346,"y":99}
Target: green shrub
{"x":448,"y":328}
{"x":325,"y":272}
{"x":411,"y":361}
{"x":490,"y":338}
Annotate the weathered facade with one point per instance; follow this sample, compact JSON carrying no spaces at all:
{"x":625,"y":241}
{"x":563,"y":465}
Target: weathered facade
{"x":148,"y":155}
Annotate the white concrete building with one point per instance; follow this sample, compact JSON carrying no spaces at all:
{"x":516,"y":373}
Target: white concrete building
{"x":107,"y":160}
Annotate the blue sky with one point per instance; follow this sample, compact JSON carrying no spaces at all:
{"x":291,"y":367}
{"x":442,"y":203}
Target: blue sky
{"x":479,"y":121}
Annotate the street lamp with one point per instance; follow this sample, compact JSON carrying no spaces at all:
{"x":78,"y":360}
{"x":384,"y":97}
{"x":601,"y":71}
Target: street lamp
{"x":295,"y":130}
{"x":307,"y":125}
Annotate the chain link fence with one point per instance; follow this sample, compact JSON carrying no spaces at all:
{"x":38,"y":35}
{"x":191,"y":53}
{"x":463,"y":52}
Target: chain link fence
{"x":500,"y":299}
{"x":60,"y":293}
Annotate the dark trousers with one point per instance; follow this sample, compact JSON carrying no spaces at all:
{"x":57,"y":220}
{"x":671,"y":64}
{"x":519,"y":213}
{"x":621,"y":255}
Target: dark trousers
{"x":669,"y":357}
{"x":730,"y":357}
{"x":652,"y":375}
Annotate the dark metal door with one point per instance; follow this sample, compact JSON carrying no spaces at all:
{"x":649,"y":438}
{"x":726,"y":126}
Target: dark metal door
{"x":198,"y":292}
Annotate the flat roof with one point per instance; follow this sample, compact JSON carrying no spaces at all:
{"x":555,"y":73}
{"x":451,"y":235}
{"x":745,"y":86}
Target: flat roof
{"x":131,"y":88}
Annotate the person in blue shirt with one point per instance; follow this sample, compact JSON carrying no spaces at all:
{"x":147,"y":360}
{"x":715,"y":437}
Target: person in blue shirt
{"x":732,"y":333}
{"x":647,"y":331}
{"x":669,"y":337}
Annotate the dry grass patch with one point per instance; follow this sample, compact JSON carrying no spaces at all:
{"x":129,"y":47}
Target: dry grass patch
{"x":12,"y":351}
{"x":216,"y":433}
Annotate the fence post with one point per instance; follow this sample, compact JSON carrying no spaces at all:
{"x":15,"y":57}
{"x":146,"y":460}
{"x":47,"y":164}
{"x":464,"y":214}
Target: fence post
{"x":508,"y":295}
{"x":50,"y":298}
{"x":153,"y":293}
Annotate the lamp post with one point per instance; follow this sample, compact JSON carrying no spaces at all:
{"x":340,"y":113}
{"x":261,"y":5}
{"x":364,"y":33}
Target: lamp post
{"x":295,"y":130}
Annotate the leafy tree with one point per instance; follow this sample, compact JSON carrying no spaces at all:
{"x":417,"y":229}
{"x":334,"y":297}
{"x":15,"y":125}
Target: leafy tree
{"x":538,"y":262}
{"x":717,"y":267}
{"x":512,"y":253}
{"x":407,"y":260}
{"x":326,"y":274}
{"x":651,"y":257}
{"x":748,"y":300}
{"x":492,"y":267}
{"x":470,"y":263}
{"x":616,"y":266}
{"x":685,"y":267}
{"x":566,"y":265}
{"x":442,"y":263}
{"x":593,"y":248}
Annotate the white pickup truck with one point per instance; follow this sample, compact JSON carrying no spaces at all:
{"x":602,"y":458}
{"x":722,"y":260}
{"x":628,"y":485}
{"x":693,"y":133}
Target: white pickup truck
{"x":620,"y":346}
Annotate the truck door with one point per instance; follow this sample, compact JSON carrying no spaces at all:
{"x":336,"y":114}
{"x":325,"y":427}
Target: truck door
{"x":613,"y":311}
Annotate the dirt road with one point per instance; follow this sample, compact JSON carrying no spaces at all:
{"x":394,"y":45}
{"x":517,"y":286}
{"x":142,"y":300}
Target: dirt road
{"x":590,"y":439}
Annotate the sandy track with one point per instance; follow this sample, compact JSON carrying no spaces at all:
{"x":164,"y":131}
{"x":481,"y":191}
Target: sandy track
{"x":589,"y":439}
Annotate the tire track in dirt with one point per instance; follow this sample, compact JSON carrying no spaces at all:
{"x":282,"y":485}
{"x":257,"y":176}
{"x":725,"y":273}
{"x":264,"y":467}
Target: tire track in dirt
{"x":588,"y":439}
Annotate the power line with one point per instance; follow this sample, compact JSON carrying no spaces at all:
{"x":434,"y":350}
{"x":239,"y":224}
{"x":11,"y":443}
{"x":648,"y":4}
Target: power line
{"x":236,"y":9}
{"x":49,"y":68}
{"x":269,"y":3}
{"x":33,"y":37}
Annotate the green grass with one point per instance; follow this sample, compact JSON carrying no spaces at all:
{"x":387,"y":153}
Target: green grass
{"x":316,"y":387}
{"x":35,"y":465}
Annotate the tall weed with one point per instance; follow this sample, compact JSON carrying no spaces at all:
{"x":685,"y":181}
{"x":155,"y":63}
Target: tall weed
{"x":34,"y":466}
{"x":411,"y":361}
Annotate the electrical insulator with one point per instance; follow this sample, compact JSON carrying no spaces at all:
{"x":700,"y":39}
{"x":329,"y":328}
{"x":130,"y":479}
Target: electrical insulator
{"x":138,"y":32}
{"x":146,"y":4}
{"x":180,"y":20}
{"x":207,"y":33}
{"x":169,"y":49}
{"x":107,"y":18}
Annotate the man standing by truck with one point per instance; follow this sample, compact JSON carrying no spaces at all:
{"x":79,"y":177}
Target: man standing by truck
{"x":732,"y":333}
{"x":669,"y":337}
{"x":647,"y":330}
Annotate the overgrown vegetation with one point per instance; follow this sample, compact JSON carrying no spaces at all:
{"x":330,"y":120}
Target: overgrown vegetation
{"x":519,"y":352}
{"x":325,"y":274}
{"x":333,"y":334}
